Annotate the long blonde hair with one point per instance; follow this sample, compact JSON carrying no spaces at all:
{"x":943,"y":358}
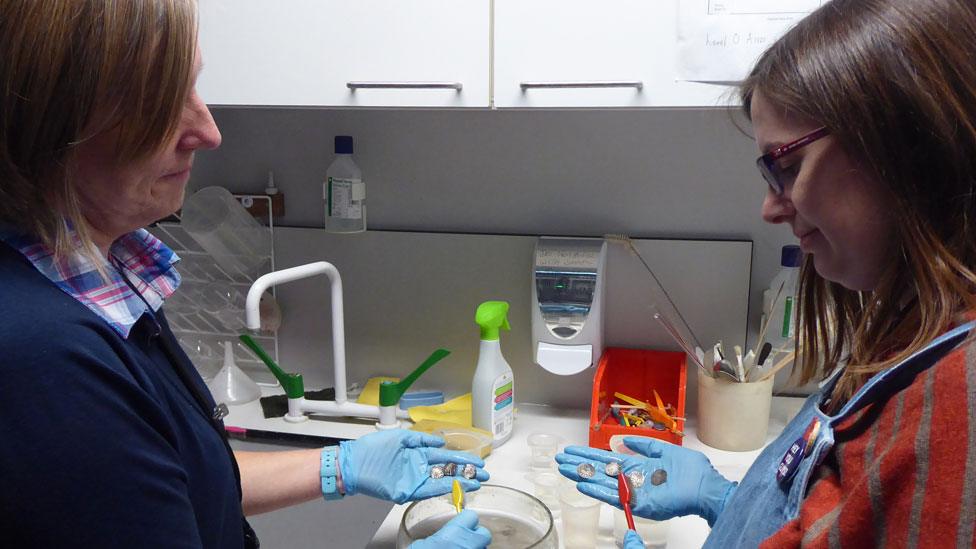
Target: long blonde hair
{"x":71,"y":70}
{"x":895,"y":82}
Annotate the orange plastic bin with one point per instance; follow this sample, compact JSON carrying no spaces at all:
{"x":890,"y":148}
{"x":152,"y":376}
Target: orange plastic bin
{"x":636,"y":373}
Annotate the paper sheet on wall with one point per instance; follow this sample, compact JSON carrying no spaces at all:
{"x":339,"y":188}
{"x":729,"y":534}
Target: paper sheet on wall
{"x":719,"y":40}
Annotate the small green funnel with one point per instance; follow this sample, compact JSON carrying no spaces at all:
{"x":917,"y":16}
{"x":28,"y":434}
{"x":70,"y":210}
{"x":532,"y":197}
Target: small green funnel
{"x":390,"y":392}
{"x":293,"y":384}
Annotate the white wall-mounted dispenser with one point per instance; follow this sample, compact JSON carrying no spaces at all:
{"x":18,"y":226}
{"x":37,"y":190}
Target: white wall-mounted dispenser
{"x":567,"y":303}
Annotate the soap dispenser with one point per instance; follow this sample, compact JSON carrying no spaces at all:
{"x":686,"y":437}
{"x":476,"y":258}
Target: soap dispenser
{"x":493,"y":387}
{"x":568,"y":303}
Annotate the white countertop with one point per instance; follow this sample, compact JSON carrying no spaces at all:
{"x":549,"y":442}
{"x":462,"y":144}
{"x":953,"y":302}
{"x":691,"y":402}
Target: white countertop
{"x":508,"y":464}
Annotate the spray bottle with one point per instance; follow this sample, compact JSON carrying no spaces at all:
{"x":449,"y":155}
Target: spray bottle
{"x":493,"y":388}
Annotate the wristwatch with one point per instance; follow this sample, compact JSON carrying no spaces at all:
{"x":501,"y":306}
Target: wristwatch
{"x":328,"y":472}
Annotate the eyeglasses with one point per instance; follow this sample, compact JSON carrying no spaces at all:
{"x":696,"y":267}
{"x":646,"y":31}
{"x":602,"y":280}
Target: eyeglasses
{"x":766,"y":163}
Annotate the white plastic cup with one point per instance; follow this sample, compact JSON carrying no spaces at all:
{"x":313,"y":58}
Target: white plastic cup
{"x":543,"y":448}
{"x":546,"y":486}
{"x":733,"y":416}
{"x":580,"y":518}
{"x":237,"y":242}
{"x":653,"y":533}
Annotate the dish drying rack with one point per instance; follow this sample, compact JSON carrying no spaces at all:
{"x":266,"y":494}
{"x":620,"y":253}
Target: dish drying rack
{"x":208,"y":308}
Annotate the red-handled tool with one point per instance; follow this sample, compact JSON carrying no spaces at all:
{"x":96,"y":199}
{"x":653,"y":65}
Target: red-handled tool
{"x":623,"y":490}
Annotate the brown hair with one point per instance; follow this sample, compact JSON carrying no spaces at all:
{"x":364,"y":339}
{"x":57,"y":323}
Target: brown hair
{"x":895,"y":82}
{"x":71,"y":70}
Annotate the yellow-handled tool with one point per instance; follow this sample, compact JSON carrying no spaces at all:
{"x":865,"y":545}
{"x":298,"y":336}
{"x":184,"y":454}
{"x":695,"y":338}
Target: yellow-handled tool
{"x":457,"y":496}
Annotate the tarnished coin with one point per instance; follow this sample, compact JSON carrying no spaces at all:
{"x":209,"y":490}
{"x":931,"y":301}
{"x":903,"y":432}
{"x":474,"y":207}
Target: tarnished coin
{"x":437,"y":472}
{"x":659,"y":477}
{"x":612,"y":469}
{"x":586,"y":470}
{"x":469,"y":471}
{"x":636,"y":479}
{"x":450,"y":469}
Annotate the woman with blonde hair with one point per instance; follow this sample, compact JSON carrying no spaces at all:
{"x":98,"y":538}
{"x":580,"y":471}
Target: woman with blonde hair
{"x":865,"y":115}
{"x":109,"y":436}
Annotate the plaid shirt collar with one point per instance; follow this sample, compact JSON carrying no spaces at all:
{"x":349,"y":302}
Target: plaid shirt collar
{"x":144,"y":260}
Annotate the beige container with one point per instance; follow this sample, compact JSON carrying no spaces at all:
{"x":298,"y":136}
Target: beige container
{"x":733,"y":416}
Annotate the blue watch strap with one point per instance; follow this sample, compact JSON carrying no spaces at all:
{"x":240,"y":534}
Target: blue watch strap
{"x":328,"y":472}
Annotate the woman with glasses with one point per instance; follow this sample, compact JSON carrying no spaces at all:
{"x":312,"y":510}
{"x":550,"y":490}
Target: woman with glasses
{"x":108,"y":436}
{"x":865,"y":116}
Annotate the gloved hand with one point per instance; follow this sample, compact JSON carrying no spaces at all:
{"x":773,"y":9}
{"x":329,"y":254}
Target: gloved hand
{"x":632,"y":540}
{"x":461,"y":532}
{"x":395,"y":465}
{"x":691,"y":485}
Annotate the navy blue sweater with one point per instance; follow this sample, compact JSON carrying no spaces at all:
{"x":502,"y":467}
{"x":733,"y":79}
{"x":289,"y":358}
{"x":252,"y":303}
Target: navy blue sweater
{"x":101,"y":444}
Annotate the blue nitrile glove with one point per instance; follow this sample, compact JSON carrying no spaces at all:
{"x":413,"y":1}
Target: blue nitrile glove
{"x":461,"y":532}
{"x":632,"y":540}
{"x":395,"y":465}
{"x":693,"y":486}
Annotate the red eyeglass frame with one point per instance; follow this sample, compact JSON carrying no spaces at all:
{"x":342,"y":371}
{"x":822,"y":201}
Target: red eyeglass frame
{"x":767,"y":162}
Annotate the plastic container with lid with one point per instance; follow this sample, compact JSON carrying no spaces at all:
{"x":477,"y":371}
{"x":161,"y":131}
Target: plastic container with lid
{"x":466,"y":439}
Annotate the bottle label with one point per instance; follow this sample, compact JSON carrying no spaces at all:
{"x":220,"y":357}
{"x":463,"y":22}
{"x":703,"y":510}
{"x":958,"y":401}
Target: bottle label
{"x":788,"y":324}
{"x":503,"y":405}
{"x":345,"y":197}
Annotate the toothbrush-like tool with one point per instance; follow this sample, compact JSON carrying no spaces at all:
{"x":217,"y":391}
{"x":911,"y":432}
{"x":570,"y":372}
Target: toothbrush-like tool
{"x":624,"y":490}
{"x":457,"y":496}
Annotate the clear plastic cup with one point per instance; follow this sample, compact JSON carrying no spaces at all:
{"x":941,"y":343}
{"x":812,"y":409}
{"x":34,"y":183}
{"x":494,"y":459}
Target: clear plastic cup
{"x":653,"y":533}
{"x":545,"y":485}
{"x":580,"y":518}
{"x":543,"y":448}
{"x":237,"y":242}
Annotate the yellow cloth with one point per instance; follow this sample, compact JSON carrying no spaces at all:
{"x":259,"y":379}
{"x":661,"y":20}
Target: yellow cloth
{"x":371,"y":392}
{"x":457,"y":410}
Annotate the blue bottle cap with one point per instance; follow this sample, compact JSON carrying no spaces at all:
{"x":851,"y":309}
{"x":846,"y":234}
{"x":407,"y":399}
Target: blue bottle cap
{"x":791,"y":255}
{"x":343,"y":144}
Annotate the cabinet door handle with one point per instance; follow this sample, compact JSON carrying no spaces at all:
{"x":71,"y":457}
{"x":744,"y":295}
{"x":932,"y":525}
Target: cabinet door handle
{"x":585,"y":84}
{"x":405,"y":85}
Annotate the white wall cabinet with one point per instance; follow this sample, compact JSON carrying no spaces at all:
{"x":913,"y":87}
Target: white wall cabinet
{"x":591,"y":53}
{"x":547,"y":53}
{"x":421,"y":53}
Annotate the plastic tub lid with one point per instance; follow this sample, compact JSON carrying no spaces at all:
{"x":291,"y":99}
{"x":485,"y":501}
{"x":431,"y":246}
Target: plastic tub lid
{"x":421,"y":398}
{"x":465,"y":440}
{"x":617,"y":443}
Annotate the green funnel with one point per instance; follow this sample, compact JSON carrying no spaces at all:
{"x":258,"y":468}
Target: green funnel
{"x":390,"y":392}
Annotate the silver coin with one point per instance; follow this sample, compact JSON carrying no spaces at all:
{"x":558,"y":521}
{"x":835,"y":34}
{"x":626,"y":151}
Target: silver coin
{"x":636,"y":479}
{"x":612,"y":469}
{"x":450,"y":469}
{"x":469,"y":471}
{"x":659,"y":477}
{"x":437,"y":472}
{"x":585,"y":470}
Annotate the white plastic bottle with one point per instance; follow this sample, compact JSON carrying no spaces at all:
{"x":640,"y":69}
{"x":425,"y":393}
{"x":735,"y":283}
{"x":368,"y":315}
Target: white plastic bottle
{"x":344,"y":191}
{"x":781,"y":315}
{"x":493,"y":387}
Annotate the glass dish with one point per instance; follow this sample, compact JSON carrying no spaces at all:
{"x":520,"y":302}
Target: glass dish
{"x":515,"y":519}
